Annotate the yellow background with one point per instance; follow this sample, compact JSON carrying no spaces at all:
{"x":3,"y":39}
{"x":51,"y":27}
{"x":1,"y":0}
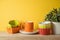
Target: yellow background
{"x":25,"y":10}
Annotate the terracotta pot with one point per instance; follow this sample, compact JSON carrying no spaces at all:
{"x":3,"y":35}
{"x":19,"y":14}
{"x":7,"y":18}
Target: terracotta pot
{"x":13,"y":30}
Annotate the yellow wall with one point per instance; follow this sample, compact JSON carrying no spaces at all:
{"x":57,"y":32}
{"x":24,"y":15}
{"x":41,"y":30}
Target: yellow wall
{"x":24,"y":10}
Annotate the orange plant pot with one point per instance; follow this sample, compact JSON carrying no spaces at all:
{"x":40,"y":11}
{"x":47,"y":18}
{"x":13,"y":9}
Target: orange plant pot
{"x":13,"y":30}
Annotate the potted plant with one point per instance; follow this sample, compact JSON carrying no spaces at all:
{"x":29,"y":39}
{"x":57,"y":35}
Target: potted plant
{"x":54,"y":17}
{"x":13,"y":27}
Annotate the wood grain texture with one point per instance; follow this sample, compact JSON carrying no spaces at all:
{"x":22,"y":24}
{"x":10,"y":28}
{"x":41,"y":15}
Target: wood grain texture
{"x":18,"y":36}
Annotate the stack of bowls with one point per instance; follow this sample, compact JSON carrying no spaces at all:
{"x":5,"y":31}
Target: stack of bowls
{"x":45,"y":28}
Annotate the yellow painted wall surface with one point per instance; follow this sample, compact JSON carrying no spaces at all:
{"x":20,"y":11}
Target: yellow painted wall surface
{"x":24,"y":10}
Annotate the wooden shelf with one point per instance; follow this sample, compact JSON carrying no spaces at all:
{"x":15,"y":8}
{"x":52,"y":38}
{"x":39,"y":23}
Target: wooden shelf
{"x":19,"y":36}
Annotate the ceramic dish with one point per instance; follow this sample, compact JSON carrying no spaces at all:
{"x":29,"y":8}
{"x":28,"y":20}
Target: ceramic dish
{"x":23,"y":32}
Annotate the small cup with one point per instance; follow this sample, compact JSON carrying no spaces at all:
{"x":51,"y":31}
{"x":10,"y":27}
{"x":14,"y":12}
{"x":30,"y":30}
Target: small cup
{"x":28,"y":26}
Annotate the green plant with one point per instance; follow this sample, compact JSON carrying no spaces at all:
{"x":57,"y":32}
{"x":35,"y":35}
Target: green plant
{"x":13,"y":23}
{"x":53,"y":15}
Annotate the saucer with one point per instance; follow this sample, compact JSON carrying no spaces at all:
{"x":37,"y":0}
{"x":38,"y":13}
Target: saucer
{"x":23,"y":32}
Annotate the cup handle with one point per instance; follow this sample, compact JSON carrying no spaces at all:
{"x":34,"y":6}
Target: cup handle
{"x":22,"y":26}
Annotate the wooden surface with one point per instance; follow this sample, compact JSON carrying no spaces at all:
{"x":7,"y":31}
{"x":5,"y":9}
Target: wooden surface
{"x":19,"y":36}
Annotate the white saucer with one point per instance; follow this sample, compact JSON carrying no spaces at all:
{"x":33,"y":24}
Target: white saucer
{"x":23,"y":32}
